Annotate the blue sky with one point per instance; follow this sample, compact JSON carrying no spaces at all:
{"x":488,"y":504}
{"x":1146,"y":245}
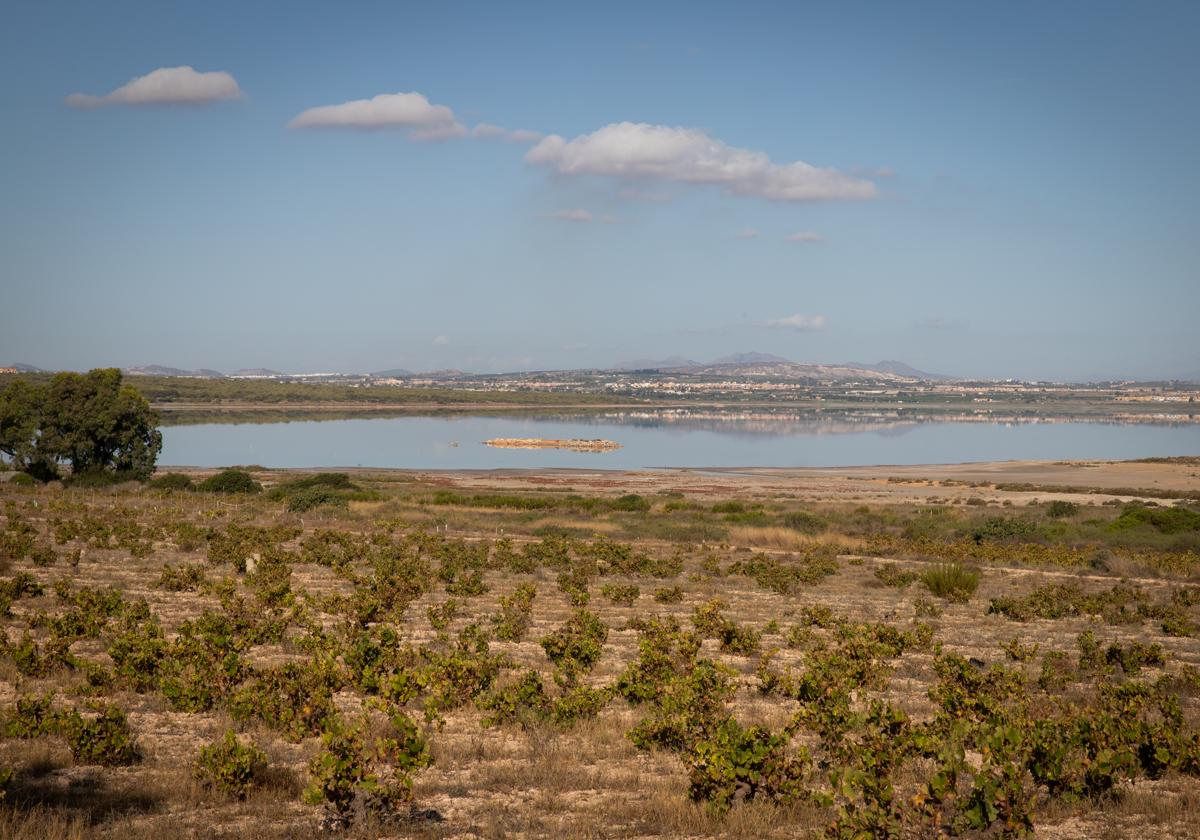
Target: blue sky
{"x":998,"y":189}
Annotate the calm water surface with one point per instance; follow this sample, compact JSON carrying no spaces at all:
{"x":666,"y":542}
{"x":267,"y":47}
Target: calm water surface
{"x":648,"y":440}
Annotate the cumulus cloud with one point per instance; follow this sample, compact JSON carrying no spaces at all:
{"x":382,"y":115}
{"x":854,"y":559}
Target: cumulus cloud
{"x":800,"y":323}
{"x":691,"y":156}
{"x":806,"y":236}
{"x":165,"y":86}
{"x":487,"y":131}
{"x":408,"y":112}
{"x":523,"y":135}
{"x":748,"y":233}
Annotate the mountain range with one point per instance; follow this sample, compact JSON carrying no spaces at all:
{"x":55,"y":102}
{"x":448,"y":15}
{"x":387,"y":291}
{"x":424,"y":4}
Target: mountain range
{"x":770,"y":365}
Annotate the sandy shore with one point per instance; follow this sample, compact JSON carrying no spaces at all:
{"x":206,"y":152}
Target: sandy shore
{"x":1019,"y":482}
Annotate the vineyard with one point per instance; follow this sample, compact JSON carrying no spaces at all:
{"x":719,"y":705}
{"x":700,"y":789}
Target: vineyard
{"x":264,"y":654}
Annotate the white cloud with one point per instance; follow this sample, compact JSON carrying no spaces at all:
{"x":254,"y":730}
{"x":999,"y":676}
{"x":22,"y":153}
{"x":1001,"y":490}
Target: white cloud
{"x":487,"y":131}
{"x":410,"y":112}
{"x":748,"y":233}
{"x":523,"y":135}
{"x":806,"y":236}
{"x":441,"y":340}
{"x":575,"y":214}
{"x":689,"y":155}
{"x":801,"y":323}
{"x":165,"y":86}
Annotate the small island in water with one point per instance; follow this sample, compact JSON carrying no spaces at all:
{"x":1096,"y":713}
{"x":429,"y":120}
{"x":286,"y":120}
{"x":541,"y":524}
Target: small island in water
{"x":573,"y":444}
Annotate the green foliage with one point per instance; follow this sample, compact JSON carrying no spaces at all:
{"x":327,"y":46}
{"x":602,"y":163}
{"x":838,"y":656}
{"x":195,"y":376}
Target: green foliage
{"x":1165,"y":520}
{"x":294,"y":699}
{"x":230,"y":481}
{"x":746,"y":763}
{"x":620,"y":594}
{"x":186,"y":578}
{"x":32,"y":717}
{"x":951,"y":581}
{"x":516,"y":613}
{"x":1061,"y":509}
{"x":105,"y":739}
{"x":668,"y":595}
{"x":229,"y":766}
{"x":346,"y":771}
{"x":711,"y":623}
{"x":91,"y":421}
{"x":805,"y":522}
{"x":578,"y":643}
{"x":890,"y":574}
{"x":173,"y":481}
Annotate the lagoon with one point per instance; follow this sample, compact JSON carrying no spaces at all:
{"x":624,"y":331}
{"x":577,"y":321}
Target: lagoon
{"x":652,"y":439}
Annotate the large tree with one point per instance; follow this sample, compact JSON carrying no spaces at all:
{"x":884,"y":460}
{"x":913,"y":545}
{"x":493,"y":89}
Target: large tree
{"x":91,"y":421}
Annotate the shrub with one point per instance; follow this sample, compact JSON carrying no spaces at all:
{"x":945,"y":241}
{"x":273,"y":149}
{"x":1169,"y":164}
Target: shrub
{"x":951,"y":581}
{"x":1166,"y":520}
{"x":618,"y":594}
{"x":230,"y":481}
{"x":748,"y":763}
{"x":805,"y":522}
{"x":173,"y":481}
{"x":228,"y":766}
{"x":630,"y":502}
{"x":187,"y":578}
{"x":890,"y":574}
{"x":105,"y":739}
{"x":311,"y":497}
{"x":668,"y":595}
{"x":577,"y":644}
{"x":1061,"y":509}
{"x":516,"y":613}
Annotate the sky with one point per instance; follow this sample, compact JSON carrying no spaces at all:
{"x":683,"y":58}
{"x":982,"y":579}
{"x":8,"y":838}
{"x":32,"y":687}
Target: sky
{"x":992,"y":190}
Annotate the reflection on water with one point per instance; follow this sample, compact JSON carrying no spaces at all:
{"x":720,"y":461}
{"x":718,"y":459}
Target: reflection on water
{"x":683,"y":438}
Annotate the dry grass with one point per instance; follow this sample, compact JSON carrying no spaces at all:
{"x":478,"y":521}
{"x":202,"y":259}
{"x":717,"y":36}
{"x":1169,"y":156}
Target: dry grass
{"x":588,"y":781}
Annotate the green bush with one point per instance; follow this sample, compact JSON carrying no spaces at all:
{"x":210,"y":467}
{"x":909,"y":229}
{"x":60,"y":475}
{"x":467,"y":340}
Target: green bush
{"x":229,"y":766}
{"x":105,"y":739}
{"x":577,"y":644}
{"x":305,"y":500}
{"x":890,"y":574}
{"x":1061,"y":509}
{"x":1166,"y":520}
{"x":630,"y":502}
{"x":230,"y":481}
{"x":951,"y":581}
{"x":805,"y":522}
{"x":173,"y":481}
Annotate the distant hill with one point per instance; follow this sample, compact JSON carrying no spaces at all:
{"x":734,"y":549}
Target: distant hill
{"x":392,"y":373}
{"x":162,"y":370}
{"x":23,"y":368}
{"x":655,"y":364}
{"x":256,"y":372}
{"x":751,"y":358}
{"x":900,"y":369}
{"x":754,"y":363}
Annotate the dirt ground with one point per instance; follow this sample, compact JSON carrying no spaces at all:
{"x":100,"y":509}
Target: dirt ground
{"x":586,"y":780}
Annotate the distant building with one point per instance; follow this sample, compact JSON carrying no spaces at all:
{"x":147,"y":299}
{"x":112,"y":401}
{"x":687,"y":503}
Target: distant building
{"x":8,"y":370}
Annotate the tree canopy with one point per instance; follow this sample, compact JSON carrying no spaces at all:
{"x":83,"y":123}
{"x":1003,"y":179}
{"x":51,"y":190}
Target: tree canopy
{"x":92,"y":421}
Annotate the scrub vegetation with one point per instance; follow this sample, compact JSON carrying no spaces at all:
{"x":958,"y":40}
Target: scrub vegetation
{"x":269,"y":653}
